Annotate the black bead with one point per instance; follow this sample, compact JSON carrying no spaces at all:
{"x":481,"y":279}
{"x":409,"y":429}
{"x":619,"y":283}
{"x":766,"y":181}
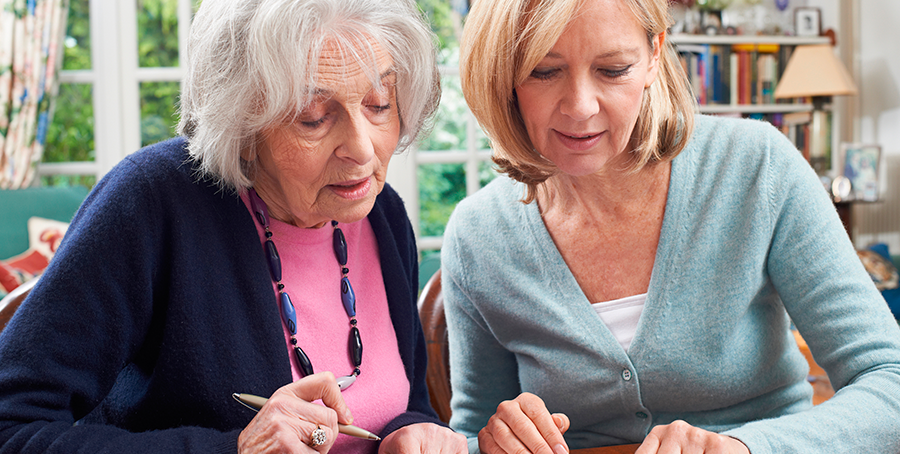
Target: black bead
{"x":356,"y":371}
{"x":303,"y":360}
{"x":355,"y":347}
{"x":353,"y":321}
{"x":334,"y":223}
{"x":345,"y":270}
{"x":340,"y":246}
{"x":293,"y":341}
{"x":280,"y":286}
{"x":274,"y":260}
{"x":268,"y":234}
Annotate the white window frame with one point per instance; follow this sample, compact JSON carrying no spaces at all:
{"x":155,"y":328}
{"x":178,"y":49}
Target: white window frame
{"x":115,"y":78}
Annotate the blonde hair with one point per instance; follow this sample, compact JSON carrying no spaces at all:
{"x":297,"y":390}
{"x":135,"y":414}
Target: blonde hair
{"x":249,"y":61}
{"x":504,"y":40}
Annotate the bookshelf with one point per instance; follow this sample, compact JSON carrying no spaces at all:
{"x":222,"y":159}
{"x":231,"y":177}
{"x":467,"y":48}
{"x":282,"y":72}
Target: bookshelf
{"x":737,"y":75}
{"x":716,"y":91}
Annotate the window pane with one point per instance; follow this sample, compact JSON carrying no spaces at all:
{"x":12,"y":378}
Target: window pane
{"x":449,"y":131}
{"x":158,"y":114}
{"x":486,"y":172}
{"x":87,"y":181}
{"x":445,"y":17}
{"x":77,"y":46}
{"x":441,"y":187}
{"x":70,"y":136}
{"x":157,"y":33}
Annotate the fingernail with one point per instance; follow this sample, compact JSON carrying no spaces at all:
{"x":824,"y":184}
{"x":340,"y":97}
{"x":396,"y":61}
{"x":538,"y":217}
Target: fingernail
{"x":560,"y":449}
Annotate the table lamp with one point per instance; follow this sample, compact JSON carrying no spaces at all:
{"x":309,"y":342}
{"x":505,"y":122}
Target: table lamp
{"x":814,"y":71}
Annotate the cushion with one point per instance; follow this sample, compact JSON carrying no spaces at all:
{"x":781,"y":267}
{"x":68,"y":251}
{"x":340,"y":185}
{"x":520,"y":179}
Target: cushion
{"x":16,"y":270}
{"x":44,"y":236}
{"x":885,"y":271}
{"x":880,"y":269}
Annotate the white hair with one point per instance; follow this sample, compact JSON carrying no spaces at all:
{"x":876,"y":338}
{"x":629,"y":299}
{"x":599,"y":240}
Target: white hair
{"x":250,"y":62}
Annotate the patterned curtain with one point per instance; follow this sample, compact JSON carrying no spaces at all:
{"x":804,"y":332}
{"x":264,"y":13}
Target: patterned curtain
{"x":31,"y":35}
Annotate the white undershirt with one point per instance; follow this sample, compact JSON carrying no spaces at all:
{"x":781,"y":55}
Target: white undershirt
{"x":621,"y":316}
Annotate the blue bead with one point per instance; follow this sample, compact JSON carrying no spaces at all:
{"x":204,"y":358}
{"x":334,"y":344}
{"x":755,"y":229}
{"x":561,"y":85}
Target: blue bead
{"x":348,"y":297}
{"x":288,"y":313}
{"x":355,"y":347}
{"x":340,"y":246}
{"x":274,"y":260}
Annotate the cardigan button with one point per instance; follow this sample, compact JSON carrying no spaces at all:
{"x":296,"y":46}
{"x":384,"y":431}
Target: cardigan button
{"x":626,"y":374}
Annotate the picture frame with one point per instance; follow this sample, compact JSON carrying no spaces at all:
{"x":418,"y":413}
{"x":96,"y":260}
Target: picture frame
{"x":861,"y":164}
{"x":807,"y":21}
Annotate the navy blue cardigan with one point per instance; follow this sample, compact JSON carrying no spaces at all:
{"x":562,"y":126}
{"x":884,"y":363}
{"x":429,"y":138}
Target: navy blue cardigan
{"x":157,"y":307}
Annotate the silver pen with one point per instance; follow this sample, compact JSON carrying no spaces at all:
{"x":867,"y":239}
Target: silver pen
{"x":256,"y":402}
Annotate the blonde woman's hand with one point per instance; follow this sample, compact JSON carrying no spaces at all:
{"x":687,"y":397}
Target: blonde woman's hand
{"x":679,"y":437}
{"x":423,"y":438}
{"x":524,"y":425}
{"x":286,"y":422}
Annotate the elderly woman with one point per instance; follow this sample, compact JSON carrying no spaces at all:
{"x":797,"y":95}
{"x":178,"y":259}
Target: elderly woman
{"x":221,"y":262}
{"x":644,"y":290}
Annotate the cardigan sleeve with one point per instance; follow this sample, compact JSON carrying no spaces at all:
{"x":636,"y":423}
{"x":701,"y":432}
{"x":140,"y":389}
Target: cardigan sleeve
{"x":81,"y":327}
{"x":484,"y":372}
{"x":836,"y":308}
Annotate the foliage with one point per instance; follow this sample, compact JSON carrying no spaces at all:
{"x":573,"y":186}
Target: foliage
{"x":70,"y":137}
{"x":158,"y":47}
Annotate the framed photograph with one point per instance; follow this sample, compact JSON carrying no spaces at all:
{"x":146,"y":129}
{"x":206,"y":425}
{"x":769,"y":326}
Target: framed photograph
{"x":861,"y":165}
{"x":807,"y":21}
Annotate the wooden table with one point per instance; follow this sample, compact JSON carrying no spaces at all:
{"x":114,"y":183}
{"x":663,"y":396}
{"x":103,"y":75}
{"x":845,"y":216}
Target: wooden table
{"x":618,"y":449}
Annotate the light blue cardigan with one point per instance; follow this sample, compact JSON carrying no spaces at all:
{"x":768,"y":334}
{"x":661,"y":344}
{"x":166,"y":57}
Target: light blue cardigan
{"x":749,"y":242}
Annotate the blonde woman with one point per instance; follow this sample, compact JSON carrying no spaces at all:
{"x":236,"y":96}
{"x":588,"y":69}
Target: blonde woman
{"x":634,"y":276}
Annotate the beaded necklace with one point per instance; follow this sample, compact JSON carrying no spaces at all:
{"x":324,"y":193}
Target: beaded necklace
{"x":289,"y":314}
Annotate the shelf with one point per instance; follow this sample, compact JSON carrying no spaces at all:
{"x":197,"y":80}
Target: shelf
{"x":755,"y":108}
{"x":683,"y":38}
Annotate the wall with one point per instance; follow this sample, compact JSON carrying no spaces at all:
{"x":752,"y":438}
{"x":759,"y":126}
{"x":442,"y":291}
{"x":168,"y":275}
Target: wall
{"x":877,"y":72}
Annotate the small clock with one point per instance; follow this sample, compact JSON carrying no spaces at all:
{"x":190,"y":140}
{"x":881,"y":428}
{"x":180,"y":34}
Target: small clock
{"x":840,"y":188}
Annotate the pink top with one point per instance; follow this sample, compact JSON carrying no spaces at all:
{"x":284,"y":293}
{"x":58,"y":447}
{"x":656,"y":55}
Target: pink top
{"x":311,"y":276}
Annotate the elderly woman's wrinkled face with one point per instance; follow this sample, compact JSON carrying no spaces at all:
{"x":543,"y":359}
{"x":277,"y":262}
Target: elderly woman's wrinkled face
{"x":581,"y":102}
{"x":330,"y":162}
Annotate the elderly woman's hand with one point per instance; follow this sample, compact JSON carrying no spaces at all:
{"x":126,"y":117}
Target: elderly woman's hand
{"x":680,"y":436}
{"x":286,"y":422}
{"x":524,"y":425}
{"x":423,"y":438}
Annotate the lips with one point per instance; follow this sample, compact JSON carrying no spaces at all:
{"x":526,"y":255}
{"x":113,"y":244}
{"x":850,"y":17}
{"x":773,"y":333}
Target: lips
{"x":578,"y":141}
{"x":352,"y":189}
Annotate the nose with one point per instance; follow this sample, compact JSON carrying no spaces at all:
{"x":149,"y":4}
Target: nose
{"x":356,"y":139}
{"x":581,"y":100}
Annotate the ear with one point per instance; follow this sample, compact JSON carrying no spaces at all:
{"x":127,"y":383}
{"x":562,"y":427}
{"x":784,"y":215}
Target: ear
{"x":653,"y":67}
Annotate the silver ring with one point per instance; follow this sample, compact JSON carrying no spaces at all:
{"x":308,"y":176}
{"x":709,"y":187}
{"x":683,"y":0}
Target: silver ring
{"x":317,"y":437}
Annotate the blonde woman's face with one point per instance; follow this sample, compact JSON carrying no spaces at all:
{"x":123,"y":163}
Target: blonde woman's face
{"x":581,"y":102}
{"x":330,"y":162}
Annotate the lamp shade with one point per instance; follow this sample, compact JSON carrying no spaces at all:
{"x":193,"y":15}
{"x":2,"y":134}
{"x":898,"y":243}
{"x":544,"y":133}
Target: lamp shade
{"x":814,"y":70}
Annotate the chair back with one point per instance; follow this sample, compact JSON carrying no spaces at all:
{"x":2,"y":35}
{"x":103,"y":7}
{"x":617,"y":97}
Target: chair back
{"x":13,"y":299}
{"x":434,"y":324}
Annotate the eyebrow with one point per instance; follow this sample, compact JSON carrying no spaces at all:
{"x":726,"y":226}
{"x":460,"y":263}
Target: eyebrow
{"x":613,"y":53}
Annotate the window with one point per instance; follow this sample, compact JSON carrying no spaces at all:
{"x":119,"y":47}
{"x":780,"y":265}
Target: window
{"x":121,"y":78}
